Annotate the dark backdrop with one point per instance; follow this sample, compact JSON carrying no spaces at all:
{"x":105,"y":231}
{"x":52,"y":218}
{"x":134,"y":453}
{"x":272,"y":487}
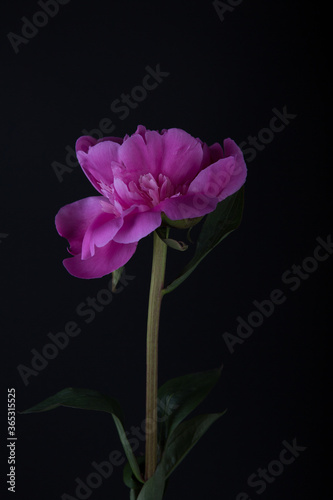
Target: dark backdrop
{"x":228,"y":70}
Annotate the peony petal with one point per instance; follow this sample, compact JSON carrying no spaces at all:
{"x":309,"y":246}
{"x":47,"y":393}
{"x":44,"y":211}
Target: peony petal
{"x":141,"y":129}
{"x":175,"y":153}
{"x":73,"y":220}
{"x":95,"y":160}
{"x":223,"y":178}
{"x":216,"y":152}
{"x":187,"y":206}
{"x":182,"y":156}
{"x":137,"y":226}
{"x":231,"y":149}
{"x":240,"y":171}
{"x":84,"y":143}
{"x":138,"y":157}
{"x":106,"y":260}
{"x":124,"y":196}
{"x":206,"y":156}
{"x":99,"y":233}
{"x":213,"y":179}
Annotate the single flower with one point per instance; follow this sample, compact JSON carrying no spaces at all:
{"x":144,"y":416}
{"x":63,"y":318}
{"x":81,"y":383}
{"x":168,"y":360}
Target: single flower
{"x":139,"y":178}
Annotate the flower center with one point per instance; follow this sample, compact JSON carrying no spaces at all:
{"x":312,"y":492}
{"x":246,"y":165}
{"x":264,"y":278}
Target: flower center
{"x":145,"y":191}
{"x":152,"y":191}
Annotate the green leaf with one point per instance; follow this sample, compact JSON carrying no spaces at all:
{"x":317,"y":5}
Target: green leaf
{"x":178,"y":445}
{"x":182,"y":440}
{"x":116,"y":275}
{"x":217,"y":226}
{"x":154,"y":488}
{"x":181,"y":395}
{"x":87,"y":399}
{"x":84,"y":399}
{"x":128,"y":477}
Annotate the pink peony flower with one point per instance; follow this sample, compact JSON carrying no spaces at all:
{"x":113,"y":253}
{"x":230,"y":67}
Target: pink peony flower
{"x":138,"y":179}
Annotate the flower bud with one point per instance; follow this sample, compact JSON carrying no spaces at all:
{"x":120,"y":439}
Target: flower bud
{"x":180,"y":224}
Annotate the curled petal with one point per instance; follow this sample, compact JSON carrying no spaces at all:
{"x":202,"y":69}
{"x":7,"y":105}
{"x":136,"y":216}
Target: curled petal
{"x":239,"y":172}
{"x":224,"y":177}
{"x":73,"y":220}
{"x":231,"y":149}
{"x":99,"y":233}
{"x":105,"y":260}
{"x":96,"y":161}
{"x":137,"y":226}
{"x":213,"y":179}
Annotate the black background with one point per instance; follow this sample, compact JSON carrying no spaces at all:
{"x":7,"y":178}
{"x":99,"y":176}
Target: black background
{"x":225,"y":77}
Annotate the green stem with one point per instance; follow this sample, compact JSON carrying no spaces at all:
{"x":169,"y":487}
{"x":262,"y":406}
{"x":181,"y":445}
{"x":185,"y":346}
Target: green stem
{"x":154,"y":307}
